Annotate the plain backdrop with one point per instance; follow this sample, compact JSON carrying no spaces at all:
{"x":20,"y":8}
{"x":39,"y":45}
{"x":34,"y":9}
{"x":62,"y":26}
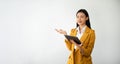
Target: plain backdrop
{"x":27,"y":34}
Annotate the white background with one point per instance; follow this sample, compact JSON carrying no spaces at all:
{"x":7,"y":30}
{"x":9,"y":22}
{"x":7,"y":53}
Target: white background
{"x":27,"y":34}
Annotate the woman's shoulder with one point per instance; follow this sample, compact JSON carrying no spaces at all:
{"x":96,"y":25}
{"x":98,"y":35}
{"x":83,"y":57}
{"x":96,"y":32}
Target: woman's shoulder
{"x":90,"y":30}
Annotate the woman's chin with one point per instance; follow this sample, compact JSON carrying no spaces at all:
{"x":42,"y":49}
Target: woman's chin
{"x":79,"y":23}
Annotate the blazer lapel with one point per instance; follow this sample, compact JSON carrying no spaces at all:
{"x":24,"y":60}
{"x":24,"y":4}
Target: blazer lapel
{"x":85,"y":35}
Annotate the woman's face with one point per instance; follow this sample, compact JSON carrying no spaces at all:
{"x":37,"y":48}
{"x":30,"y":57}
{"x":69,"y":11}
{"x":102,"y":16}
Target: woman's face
{"x":81,"y":18}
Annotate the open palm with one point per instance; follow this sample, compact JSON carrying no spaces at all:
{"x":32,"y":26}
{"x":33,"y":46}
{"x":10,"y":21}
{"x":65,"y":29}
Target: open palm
{"x":61,"y":31}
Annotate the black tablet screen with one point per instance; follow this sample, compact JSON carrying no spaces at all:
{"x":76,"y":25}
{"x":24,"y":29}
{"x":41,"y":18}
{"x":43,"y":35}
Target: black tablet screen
{"x":73,"y":38}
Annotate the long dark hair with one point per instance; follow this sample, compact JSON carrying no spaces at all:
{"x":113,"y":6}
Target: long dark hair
{"x":87,"y":15}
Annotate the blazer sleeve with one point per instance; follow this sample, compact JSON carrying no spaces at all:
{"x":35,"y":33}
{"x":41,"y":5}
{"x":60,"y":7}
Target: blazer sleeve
{"x":68,"y":43}
{"x":87,"y":51}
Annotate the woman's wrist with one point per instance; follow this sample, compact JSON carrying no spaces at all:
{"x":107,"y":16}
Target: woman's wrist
{"x":81,"y":49}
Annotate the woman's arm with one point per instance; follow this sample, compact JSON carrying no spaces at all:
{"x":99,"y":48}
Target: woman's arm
{"x":68,"y":44}
{"x":61,"y":31}
{"x":87,"y":51}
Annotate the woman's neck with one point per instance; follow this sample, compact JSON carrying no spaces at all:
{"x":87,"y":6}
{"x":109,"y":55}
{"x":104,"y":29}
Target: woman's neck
{"x":81,"y":26}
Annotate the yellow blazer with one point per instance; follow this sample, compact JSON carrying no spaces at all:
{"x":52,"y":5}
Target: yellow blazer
{"x":83,"y":56}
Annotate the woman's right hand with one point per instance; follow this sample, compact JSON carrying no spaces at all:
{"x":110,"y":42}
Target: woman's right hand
{"x":61,"y":31}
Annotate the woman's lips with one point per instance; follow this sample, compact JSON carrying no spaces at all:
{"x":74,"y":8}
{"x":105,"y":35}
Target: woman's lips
{"x":80,"y":22}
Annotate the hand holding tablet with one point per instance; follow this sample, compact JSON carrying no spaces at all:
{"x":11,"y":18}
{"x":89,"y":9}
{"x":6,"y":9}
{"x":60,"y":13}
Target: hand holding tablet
{"x":76,"y":39}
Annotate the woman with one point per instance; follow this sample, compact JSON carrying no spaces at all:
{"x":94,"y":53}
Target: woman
{"x":80,"y":53}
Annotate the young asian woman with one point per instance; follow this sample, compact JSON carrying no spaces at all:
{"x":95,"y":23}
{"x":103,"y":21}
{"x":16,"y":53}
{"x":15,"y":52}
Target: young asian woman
{"x":80,"y":53}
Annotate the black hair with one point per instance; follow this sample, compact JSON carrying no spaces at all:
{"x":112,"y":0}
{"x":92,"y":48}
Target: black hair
{"x":87,"y":15}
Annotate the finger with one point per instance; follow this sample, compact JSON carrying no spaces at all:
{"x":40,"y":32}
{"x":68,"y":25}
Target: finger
{"x":57,"y":30}
{"x":81,"y":44}
{"x":72,"y":41}
{"x":61,"y":30}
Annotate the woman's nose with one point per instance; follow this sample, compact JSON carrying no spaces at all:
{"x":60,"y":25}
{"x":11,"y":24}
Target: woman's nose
{"x":79,"y":18}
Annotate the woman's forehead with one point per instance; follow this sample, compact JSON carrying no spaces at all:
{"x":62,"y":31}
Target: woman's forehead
{"x":81,"y":13}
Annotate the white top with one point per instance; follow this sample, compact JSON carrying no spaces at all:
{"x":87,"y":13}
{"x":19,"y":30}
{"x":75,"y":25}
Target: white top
{"x":80,"y":33}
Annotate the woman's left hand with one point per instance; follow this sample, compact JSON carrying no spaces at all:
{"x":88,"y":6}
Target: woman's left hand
{"x":78,"y":45}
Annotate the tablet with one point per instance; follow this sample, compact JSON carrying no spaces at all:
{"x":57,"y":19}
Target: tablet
{"x":76,"y":39}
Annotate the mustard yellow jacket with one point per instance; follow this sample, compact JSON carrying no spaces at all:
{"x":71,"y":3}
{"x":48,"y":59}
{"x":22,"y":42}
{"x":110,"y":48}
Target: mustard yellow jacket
{"x":84,"y":57}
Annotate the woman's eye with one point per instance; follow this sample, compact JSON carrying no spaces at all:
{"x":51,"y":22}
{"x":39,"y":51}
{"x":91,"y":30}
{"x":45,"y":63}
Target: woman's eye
{"x":77,"y":16}
{"x":81,"y":16}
